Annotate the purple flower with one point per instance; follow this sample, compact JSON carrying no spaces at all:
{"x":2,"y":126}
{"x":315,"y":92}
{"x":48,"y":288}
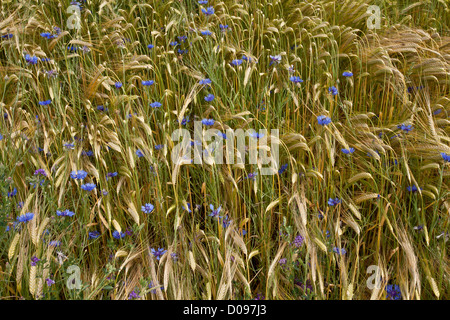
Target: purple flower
{"x":133,"y":295}
{"x":393,"y":292}
{"x":54,"y":243}
{"x":49,"y":282}
{"x":118,"y":85}
{"x":150,"y":46}
{"x":347,"y":74}
{"x":206,"y":33}
{"x":41,"y":172}
{"x":34,"y":260}
{"x":298,"y":241}
{"x":412,"y":188}
{"x":251,"y":175}
{"x":209,"y":97}
{"x":158,"y":253}
{"x":215,"y":213}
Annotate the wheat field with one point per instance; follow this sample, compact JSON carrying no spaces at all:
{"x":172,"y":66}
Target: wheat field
{"x":92,"y":205}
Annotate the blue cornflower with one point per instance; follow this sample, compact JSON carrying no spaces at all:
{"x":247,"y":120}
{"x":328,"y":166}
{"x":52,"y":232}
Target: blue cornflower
{"x":182,"y":38}
{"x":347,"y":74}
{"x":256,"y":135}
{"x":155,"y":104}
{"x":188,"y":209}
{"x":208,"y":122}
{"x":94,"y":234}
{"x":111,"y":175}
{"x":283,"y":168}
{"x":436,"y":112}
{"x":333,"y":90}
{"x":323,"y":120}
{"x":226,"y":221}
{"x":209,"y":97}
{"x":412,"y":188}
{"x":202,"y":1}
{"x":405,"y":127}
{"x":118,"y":235}
{"x":333,"y":202}
{"x":223,"y":27}
{"x":25,"y":217}
{"x":245,"y":58}
{"x":275,"y":59}
{"x":159,"y":146}
{"x":88,"y":153}
{"x":342,"y":251}
{"x":173,"y":43}
{"x":101,"y":108}
{"x":158,"y":253}
{"x":208,"y":11}
{"x":47,"y":35}
{"x":118,"y":85}
{"x":148,"y":82}
{"x":445,"y":156}
{"x":72,"y":48}
{"x":295,"y":79}
{"x":215,"y":213}
{"x":65,"y":213}
{"x":88,"y":186}
{"x":236,"y":62}
{"x":147,"y":208}
{"x":12,"y":193}
{"x":1,"y":137}
{"x":206,"y":33}
{"x":69,"y":145}
{"x":393,"y":292}
{"x":205,"y":81}
{"x":31,"y":59}
{"x":150,"y":46}
{"x":251,"y":175}
{"x":7,"y":36}
{"x":80,"y":174}
{"x":348,"y":151}
{"x":180,"y":51}
{"x":45,"y":103}
{"x":184,"y":120}
{"x":139,"y":153}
